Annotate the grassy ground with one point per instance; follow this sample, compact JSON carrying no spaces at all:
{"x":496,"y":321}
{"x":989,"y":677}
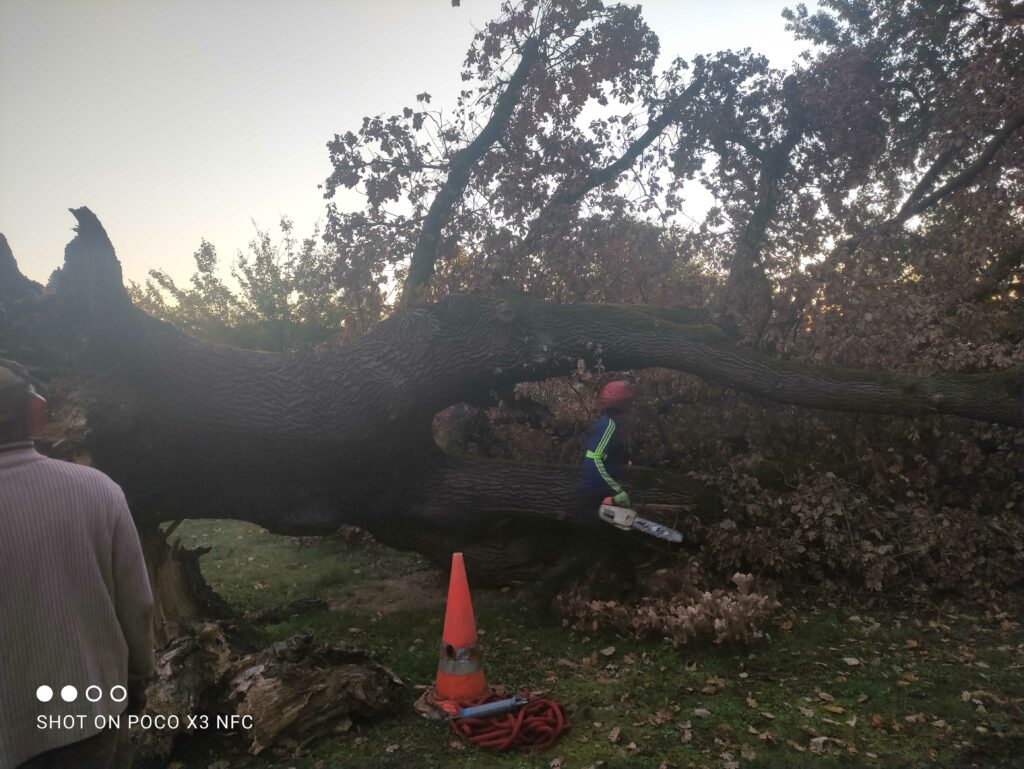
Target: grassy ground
{"x":883,"y":689}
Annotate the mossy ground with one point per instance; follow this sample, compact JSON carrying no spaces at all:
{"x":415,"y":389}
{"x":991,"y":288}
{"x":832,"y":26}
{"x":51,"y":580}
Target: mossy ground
{"x":941,"y":688}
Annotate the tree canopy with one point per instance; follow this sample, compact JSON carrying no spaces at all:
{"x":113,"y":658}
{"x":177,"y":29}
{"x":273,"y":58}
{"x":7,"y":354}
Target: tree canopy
{"x":871,"y":192}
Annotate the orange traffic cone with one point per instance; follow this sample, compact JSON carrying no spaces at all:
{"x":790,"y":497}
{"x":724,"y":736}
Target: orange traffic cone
{"x":460,"y":675}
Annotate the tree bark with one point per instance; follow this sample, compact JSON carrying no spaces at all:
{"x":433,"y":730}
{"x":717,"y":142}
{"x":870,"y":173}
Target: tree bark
{"x":304,"y":442}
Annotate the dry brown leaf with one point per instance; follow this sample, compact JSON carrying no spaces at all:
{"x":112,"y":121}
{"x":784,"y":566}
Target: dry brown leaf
{"x":818,"y":744}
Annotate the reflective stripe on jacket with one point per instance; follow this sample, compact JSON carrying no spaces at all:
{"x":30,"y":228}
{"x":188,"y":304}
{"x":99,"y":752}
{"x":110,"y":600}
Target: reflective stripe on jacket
{"x":604,"y":459}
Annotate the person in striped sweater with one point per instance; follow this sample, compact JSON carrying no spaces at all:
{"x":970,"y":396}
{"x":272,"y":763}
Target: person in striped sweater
{"x":76,"y":642}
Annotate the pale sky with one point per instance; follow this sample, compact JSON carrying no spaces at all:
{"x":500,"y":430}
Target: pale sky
{"x":175,"y":120}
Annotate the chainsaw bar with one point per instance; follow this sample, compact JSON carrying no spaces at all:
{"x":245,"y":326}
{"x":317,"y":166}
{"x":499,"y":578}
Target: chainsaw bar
{"x":626,"y":519}
{"x":657,"y":530}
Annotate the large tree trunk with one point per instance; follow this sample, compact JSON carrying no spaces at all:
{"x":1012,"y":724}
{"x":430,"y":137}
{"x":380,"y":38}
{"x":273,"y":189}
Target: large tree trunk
{"x":304,"y":442}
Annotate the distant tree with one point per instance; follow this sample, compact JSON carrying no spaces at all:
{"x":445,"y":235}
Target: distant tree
{"x":285,"y":300}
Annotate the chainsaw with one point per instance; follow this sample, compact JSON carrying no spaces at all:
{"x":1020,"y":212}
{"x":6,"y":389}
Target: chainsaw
{"x":626,"y":519}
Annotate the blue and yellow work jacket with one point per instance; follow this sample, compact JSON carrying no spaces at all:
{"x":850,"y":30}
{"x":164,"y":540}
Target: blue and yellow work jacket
{"x":604,"y":459}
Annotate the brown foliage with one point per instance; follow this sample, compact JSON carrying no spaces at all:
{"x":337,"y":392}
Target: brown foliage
{"x":677,"y":608}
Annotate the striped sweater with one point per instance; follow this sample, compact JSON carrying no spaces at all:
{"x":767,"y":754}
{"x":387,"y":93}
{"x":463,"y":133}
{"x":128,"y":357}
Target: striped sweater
{"x":75,"y":601}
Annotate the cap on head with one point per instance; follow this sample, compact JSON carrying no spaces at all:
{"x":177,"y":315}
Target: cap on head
{"x":616,"y":396}
{"x":20,"y":404}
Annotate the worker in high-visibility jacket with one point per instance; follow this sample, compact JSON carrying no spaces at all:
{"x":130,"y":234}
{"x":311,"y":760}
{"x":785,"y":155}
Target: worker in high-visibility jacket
{"x":606,"y":449}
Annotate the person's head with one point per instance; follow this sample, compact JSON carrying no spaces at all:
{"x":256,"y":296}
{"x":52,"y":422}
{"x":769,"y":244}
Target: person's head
{"x":22,"y":409}
{"x":617,"y":397}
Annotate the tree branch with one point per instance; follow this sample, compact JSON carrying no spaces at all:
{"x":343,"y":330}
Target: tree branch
{"x":967,"y":176}
{"x":425,"y":253}
{"x":746,"y":264}
{"x":572,"y":191}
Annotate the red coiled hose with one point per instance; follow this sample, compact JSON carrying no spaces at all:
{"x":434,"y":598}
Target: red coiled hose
{"x":537,"y":724}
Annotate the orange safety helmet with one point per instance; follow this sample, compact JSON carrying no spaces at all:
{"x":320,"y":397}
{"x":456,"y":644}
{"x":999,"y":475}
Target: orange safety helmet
{"x":616,"y":396}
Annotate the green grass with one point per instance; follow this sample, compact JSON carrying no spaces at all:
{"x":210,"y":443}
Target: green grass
{"x":942,"y":689}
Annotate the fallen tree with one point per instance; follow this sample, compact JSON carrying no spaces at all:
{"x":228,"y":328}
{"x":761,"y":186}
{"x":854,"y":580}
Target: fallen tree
{"x":306,"y":442}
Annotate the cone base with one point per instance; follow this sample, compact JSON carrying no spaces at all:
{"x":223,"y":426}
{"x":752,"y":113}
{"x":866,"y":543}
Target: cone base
{"x":468,"y":687}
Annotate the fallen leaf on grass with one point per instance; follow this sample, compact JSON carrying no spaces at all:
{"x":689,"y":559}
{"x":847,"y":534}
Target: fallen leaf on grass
{"x":825,"y":697}
{"x":701,"y":712}
{"x":796,"y":746}
{"x":614,"y":735}
{"x":837,"y":709}
{"x":751,"y":702}
{"x":556,"y":763}
{"x":391,"y":748}
{"x":662,"y":716}
{"x":608,"y":651}
{"x":807,"y":712}
{"x":916,"y":718}
{"x":818,"y":744}
{"x":851,"y":661}
{"x":862,"y":697}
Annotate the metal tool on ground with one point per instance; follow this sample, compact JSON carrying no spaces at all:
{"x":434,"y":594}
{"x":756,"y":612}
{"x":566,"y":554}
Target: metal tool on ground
{"x":496,"y":708}
{"x":626,"y":519}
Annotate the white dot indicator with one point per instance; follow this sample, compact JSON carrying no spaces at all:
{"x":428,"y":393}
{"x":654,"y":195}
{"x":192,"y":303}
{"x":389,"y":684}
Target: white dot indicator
{"x":114,"y":697}
{"x":69,"y":693}
{"x":93,"y":693}
{"x":44,"y":693}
